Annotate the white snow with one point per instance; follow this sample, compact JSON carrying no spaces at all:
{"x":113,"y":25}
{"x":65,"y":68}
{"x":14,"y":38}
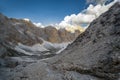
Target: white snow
{"x":45,"y":46}
{"x":17,"y":48}
{"x":39,"y":25}
{"x":36,"y":47}
{"x":23,"y":59}
{"x":61,"y":50}
{"x":16,"y":23}
{"x":49,"y":45}
{"x":29,"y":50}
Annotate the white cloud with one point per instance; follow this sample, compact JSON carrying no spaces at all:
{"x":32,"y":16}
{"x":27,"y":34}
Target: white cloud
{"x":91,"y":13}
{"x":96,"y":1}
{"x":117,"y":0}
{"x":98,"y":9}
{"x":26,"y":19}
{"x":75,"y":21}
{"x":39,"y":25}
{"x":36,"y":24}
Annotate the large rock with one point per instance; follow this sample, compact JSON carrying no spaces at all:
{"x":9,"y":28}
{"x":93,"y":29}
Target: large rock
{"x":94,"y":55}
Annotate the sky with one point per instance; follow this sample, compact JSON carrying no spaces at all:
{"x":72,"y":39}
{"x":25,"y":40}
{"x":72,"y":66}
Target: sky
{"x":44,"y":11}
{"x":59,"y":13}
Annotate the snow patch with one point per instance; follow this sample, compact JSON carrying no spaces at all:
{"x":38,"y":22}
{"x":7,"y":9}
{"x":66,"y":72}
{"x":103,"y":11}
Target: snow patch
{"x":60,"y":46}
{"x":17,"y":48}
{"x":27,"y":49}
{"x":38,"y":48}
{"x":39,"y":25}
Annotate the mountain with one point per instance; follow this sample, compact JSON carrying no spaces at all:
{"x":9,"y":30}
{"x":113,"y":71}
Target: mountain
{"x":14,"y":32}
{"x":20,"y":37}
{"x":25,"y":32}
{"x":94,"y":55}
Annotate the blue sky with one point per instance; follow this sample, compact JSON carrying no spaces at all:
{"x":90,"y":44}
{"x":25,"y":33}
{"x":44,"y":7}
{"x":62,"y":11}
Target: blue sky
{"x":44,"y":11}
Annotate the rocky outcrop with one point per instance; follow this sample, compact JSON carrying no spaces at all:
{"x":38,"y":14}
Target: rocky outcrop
{"x":94,"y":55}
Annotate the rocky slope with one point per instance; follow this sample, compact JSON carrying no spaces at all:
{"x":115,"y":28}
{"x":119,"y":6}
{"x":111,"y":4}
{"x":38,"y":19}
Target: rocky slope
{"x":96,"y":52}
{"x":94,"y":55}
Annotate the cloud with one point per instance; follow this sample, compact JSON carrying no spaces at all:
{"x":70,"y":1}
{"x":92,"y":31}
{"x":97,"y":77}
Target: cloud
{"x":97,"y":1}
{"x":118,"y":0}
{"x":36,"y":24}
{"x":39,"y":25}
{"x":82,"y":20}
{"x":84,"y":17}
{"x":26,"y":19}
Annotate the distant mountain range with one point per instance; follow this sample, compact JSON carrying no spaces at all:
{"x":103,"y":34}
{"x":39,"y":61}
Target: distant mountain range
{"x":20,"y":37}
{"x":25,"y":32}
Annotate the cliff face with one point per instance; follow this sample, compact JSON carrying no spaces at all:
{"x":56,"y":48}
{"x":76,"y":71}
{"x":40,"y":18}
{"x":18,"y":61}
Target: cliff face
{"x":94,"y":55}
